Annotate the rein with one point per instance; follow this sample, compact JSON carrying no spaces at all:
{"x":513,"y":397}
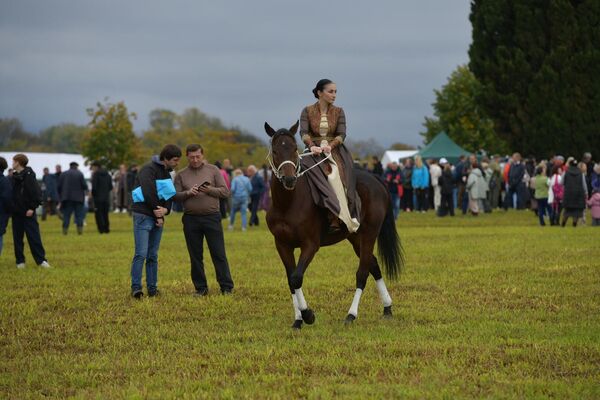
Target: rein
{"x":297,"y":167}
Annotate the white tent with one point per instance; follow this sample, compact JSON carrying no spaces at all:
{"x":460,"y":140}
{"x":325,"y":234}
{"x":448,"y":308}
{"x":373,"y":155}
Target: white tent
{"x":395,"y":155}
{"x":37,"y":161}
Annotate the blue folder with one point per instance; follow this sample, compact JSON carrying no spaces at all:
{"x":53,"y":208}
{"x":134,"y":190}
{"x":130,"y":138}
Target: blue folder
{"x":164,"y":189}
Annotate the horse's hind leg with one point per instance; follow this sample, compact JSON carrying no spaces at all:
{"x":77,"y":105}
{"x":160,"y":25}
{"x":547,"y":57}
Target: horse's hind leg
{"x":384,"y":295}
{"x":364,"y":249}
{"x":286,"y":254}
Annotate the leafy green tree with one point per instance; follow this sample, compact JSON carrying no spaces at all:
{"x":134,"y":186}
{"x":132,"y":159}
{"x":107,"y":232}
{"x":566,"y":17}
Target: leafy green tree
{"x":457,"y":113}
{"x":539,"y":66}
{"x":110,"y":137}
{"x":64,"y":138}
{"x":13,"y":137}
{"x":162,"y":120}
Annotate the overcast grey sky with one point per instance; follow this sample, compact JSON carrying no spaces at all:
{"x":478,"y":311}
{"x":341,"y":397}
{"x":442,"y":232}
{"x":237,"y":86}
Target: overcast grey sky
{"x":242,"y":61}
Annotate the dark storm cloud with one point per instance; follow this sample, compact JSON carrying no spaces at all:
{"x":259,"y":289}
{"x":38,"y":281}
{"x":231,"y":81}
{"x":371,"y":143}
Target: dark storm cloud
{"x":243,"y":61}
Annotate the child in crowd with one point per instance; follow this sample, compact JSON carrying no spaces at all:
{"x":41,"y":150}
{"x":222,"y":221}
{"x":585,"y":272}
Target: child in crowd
{"x":594,"y":203}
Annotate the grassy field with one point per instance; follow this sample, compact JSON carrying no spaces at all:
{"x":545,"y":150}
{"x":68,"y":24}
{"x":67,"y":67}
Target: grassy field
{"x":493,"y":307}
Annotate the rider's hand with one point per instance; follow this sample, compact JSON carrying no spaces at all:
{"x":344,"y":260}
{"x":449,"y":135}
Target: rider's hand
{"x":326,"y":149}
{"x":316,"y":150}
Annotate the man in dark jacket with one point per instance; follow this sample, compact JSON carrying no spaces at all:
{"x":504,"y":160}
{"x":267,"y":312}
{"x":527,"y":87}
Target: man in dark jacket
{"x":50,"y":192}
{"x":101,"y":190}
{"x":149,"y":210}
{"x":446,"y":184}
{"x":516,"y":186}
{"x":575,"y":194}
{"x":5,"y":200}
{"x":27,"y":196}
{"x":72,"y":190}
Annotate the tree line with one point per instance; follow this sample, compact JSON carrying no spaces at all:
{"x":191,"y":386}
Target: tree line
{"x":532,"y":81}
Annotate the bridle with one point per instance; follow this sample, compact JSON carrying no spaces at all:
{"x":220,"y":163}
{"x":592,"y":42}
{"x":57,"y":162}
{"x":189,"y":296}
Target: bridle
{"x":297,"y":165}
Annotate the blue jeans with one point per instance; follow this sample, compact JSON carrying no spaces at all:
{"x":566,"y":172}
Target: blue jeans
{"x":395,"y":204}
{"x":69,"y":207}
{"x":543,"y":208}
{"x":239,"y":204}
{"x":147,"y":240}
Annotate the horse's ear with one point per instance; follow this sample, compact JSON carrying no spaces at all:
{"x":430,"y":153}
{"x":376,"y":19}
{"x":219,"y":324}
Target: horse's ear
{"x":294,"y":128}
{"x":270,"y":131}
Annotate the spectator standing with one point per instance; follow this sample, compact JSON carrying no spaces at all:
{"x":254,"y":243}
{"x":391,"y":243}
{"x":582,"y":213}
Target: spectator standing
{"x":200,"y":186}
{"x":595,"y":177}
{"x":494,"y":183}
{"x":589,"y":167}
{"x":460,"y":180}
{"x":72,"y":190}
{"x":101,"y":190}
{"x":120,"y":187}
{"x":393,"y":179}
{"x":148,"y":211}
{"x":575,"y":193}
{"x":435,"y":171}
{"x":223,"y":202}
{"x":477,"y":189}
{"x":50,"y":193}
{"x":446,"y":185}
{"x":5,"y":200}
{"x":377,"y":167}
{"x":420,"y":183}
{"x":27,"y":197}
{"x":556,"y":194}
{"x":542,"y":189}
{"x":594,"y":203}
{"x":265,"y":200}
{"x":258,"y":187}
{"x":240,"y":197}
{"x":516,"y":185}
{"x":406,"y":200}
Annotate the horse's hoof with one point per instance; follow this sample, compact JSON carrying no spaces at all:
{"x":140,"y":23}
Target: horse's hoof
{"x":349,"y":319}
{"x":297,"y":325}
{"x":387,"y":312}
{"x":308,"y":316}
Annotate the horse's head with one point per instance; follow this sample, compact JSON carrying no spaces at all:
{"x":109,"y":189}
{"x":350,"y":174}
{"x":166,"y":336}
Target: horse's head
{"x":283,"y":155}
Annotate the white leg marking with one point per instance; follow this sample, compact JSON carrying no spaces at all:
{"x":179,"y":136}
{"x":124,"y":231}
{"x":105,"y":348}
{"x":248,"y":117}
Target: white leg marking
{"x":300,"y":298}
{"x":297,"y":314}
{"x":383,"y":293}
{"x":354,"y":307}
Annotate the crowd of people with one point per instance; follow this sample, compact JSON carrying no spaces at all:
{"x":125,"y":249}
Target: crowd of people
{"x":554,"y":189}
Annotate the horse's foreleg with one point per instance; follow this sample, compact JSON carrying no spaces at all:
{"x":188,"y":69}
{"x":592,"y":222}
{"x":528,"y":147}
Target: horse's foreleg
{"x":307,"y":253}
{"x":286,"y":254}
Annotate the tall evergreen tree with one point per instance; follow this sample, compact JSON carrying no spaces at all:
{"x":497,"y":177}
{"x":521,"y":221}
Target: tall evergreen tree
{"x":539,"y":64}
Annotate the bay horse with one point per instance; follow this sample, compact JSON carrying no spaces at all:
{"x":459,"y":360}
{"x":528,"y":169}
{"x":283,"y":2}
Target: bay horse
{"x":296,"y":221}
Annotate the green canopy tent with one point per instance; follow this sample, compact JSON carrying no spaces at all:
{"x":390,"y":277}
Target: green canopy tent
{"x":443,"y":146}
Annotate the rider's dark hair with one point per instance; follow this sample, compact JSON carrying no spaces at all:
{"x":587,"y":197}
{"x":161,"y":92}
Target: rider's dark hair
{"x":320,"y":86}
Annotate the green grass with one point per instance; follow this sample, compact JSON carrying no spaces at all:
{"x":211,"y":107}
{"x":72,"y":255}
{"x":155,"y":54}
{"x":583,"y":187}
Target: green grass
{"x":493,"y":307}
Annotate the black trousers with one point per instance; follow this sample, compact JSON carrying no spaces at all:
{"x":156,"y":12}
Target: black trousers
{"x":421,"y":200}
{"x":254,"y":202}
{"x":195,"y":229}
{"x":101,"y":213}
{"x":446,"y":205}
{"x":29,"y":227}
{"x":406,"y":202}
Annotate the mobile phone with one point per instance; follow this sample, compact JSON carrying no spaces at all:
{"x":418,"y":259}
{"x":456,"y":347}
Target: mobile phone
{"x":205,"y":184}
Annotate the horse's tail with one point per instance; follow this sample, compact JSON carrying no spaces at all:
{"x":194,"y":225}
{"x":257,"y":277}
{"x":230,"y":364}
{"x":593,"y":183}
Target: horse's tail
{"x":389,"y":246}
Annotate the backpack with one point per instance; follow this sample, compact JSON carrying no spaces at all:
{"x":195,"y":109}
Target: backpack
{"x":558,"y":190}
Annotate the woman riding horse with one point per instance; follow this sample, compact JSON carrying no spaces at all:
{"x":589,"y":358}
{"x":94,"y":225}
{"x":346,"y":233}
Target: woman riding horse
{"x":323,"y":131}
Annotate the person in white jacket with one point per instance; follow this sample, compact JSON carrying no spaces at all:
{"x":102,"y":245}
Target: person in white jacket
{"x":435,"y":171}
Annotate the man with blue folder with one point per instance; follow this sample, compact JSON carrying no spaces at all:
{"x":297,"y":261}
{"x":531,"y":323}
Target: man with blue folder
{"x":152,"y":198}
